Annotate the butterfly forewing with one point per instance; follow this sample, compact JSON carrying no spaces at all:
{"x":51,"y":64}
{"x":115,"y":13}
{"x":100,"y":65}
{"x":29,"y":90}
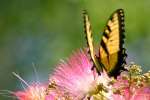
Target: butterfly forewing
{"x":89,"y":38}
{"x":111,"y":52}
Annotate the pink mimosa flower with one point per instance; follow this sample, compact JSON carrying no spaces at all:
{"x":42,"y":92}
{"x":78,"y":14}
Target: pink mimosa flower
{"x":33,"y":92}
{"x":132,"y":85}
{"x":76,"y":78}
{"x":141,"y":94}
{"x":138,"y":94}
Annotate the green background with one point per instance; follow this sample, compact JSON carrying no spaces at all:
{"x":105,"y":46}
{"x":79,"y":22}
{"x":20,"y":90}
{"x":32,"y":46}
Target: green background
{"x":36,"y":34}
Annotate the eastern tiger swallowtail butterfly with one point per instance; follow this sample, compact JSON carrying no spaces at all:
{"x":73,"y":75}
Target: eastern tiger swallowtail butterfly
{"x":112,"y":54}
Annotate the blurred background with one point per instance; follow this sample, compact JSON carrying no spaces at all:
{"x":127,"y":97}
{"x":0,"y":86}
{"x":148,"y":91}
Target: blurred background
{"x":36,"y":34}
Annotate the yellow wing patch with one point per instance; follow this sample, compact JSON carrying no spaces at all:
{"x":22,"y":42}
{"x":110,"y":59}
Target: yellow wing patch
{"x":111,"y":52}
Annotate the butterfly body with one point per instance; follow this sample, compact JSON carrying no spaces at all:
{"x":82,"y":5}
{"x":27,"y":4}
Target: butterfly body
{"x":111,"y":51}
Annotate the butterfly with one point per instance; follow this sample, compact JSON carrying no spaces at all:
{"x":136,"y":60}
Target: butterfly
{"x":111,"y":54}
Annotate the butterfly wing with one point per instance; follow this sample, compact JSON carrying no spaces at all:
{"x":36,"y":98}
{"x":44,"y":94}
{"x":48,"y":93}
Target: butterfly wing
{"x":111,"y":53}
{"x":89,"y":38}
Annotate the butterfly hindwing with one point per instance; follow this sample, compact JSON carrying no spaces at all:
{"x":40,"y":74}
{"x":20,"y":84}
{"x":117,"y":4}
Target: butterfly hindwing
{"x":111,"y":53}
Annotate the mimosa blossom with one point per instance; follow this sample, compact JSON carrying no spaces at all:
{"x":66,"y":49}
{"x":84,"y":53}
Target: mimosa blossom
{"x":33,"y":92}
{"x":74,"y":79}
{"x":132,"y":85}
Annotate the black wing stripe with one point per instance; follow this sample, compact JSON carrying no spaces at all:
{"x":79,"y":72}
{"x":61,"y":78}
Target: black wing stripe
{"x":104,"y":46}
{"x":109,"y":29}
{"x":106,"y":35}
{"x":122,"y":53}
